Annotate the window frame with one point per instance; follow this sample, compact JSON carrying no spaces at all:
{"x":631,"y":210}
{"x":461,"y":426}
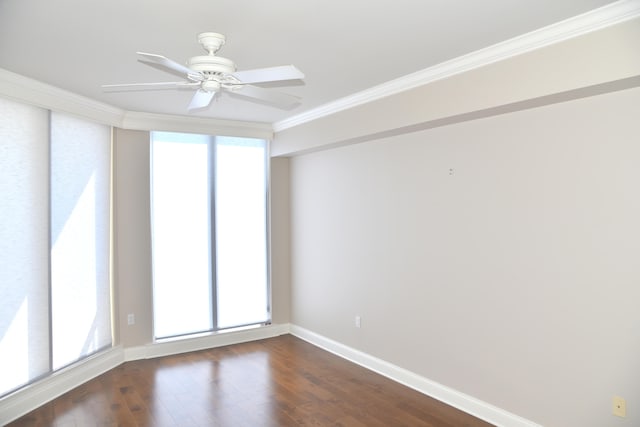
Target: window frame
{"x":212,"y":258}
{"x":45,"y":225}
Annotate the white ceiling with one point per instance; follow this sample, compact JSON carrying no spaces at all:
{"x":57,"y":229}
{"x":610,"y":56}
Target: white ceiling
{"x":343,"y":47}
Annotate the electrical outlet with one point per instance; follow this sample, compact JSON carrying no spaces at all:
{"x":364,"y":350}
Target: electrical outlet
{"x":131,"y":319}
{"x":619,"y":407}
{"x":357,"y":321}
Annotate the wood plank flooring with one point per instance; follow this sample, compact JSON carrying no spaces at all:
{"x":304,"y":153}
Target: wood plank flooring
{"x":280,"y":381}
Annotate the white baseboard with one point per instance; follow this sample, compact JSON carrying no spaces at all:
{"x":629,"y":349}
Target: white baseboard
{"x":466,"y":403}
{"x":35,"y":395}
{"x":31,"y":397}
{"x":167,"y":348}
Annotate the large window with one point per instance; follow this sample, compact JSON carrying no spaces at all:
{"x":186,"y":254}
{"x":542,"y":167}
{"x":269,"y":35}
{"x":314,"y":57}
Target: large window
{"x":79,"y":236}
{"x":54,"y":242}
{"x":209,"y":233}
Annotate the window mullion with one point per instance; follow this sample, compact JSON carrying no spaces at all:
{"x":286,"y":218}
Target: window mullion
{"x":212,"y":232}
{"x":49,"y":237}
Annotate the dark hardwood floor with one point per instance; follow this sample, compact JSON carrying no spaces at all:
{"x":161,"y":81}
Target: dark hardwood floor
{"x":281,"y":381}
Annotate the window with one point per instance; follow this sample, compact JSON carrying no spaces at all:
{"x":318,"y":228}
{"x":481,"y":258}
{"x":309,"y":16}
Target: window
{"x":80,"y":216}
{"x":54,"y":241}
{"x":209,"y":233}
{"x":24,"y":245}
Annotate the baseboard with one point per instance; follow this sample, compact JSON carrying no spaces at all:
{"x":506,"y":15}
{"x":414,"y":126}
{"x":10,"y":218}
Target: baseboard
{"x":167,"y":348}
{"x":464,"y":402}
{"x":35,"y":395}
{"x":31,"y":397}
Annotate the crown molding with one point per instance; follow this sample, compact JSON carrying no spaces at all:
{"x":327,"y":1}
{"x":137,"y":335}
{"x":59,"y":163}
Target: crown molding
{"x":597,"y":19}
{"x":170,"y":123}
{"x":33,"y":92}
{"x":23,"y":89}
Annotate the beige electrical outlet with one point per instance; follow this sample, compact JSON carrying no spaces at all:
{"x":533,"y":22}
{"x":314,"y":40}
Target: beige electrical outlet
{"x":619,"y":406}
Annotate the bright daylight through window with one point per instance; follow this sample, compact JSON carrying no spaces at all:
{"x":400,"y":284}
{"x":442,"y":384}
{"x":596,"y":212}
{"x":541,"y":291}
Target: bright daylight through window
{"x":54,"y":242}
{"x":209,"y":233}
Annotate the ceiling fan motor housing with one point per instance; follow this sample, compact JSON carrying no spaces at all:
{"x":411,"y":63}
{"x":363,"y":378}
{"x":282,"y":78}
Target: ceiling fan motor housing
{"x":210,"y":64}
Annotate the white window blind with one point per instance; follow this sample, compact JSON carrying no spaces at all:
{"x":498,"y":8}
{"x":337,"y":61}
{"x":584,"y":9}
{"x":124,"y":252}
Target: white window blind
{"x":54,"y":242}
{"x":241,"y":240}
{"x":80,"y":289}
{"x":180,"y":189}
{"x":24,"y":244}
{"x":209,"y":233}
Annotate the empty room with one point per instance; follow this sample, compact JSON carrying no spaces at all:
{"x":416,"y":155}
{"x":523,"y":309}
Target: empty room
{"x":408,"y":213}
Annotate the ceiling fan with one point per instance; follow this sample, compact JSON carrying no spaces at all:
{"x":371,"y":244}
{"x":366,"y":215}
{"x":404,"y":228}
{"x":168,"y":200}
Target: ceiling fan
{"x":210,"y":74}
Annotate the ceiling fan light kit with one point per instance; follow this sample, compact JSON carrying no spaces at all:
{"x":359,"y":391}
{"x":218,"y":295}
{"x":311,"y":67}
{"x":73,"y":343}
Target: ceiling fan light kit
{"x":211,"y":74}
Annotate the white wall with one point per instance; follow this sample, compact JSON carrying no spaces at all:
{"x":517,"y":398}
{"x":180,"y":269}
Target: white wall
{"x":132,"y":237}
{"x":591,"y":63}
{"x":498,"y":257}
{"x":280,"y":241}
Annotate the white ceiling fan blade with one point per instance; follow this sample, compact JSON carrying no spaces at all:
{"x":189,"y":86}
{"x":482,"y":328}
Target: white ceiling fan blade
{"x":166,"y":62}
{"x":143,"y":86}
{"x":270,"y":74}
{"x":277,"y":99}
{"x":201,"y":99}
